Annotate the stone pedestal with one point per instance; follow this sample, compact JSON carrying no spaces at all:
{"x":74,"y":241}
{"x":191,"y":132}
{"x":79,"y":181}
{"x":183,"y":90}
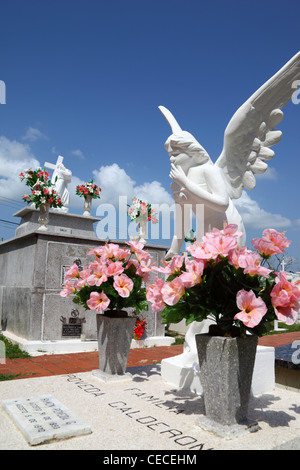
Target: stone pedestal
{"x":33,"y":266}
{"x":60,"y":223}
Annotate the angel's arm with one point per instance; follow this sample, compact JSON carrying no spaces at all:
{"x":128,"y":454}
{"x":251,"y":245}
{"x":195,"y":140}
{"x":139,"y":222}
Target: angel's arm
{"x":216,"y":198}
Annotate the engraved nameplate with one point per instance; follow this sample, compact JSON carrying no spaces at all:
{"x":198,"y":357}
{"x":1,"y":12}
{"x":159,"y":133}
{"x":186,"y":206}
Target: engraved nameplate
{"x":44,"y":418}
{"x":65,"y":230}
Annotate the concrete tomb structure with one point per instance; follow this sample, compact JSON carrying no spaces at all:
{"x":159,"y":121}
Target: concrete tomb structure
{"x":33,"y":265}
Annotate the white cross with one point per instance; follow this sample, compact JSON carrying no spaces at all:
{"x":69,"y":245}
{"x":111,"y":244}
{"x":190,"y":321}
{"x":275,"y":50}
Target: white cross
{"x":52,"y":166}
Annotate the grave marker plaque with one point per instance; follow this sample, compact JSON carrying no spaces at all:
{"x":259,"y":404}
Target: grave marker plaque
{"x":74,"y":326}
{"x":44,"y":418}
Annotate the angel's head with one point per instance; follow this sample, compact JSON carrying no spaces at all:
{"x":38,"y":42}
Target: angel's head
{"x":184,"y":150}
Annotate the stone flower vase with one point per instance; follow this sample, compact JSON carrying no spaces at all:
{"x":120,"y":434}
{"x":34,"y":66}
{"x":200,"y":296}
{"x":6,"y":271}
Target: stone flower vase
{"x":115,"y":332}
{"x":142,"y":226}
{"x":226,"y":369}
{"x":43,"y":217}
{"x":87,"y":205}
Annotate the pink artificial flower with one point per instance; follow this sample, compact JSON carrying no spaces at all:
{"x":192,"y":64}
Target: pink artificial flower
{"x":96,"y":251}
{"x":172,"y":267}
{"x":219,"y":244}
{"x":67,"y":290}
{"x":143,"y":256}
{"x":231,"y":229}
{"x":123,"y":253}
{"x":172,"y":291}
{"x":199,"y":251}
{"x":143,"y":208}
{"x":135,"y":246}
{"x":114,"y":268}
{"x":98,"y":275}
{"x":250,"y":261}
{"x":252,"y":308}
{"x":154,"y":295}
{"x":278,"y":239}
{"x":107,"y":251}
{"x":98,"y":302}
{"x":271,"y":243}
{"x":110,"y":251}
{"x":83,"y":276}
{"x":193,"y":274}
{"x":285,"y":299}
{"x":265,"y":247}
{"x":144,"y":269}
{"x":73,"y":271}
{"x":235,"y":256}
{"x":123,"y":285}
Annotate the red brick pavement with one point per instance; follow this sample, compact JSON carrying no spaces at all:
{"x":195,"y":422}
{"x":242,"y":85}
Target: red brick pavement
{"x":59,"y":364}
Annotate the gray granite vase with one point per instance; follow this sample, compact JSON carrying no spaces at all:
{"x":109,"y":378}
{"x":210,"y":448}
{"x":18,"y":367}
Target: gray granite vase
{"x":226,"y":369}
{"x":115,"y":333}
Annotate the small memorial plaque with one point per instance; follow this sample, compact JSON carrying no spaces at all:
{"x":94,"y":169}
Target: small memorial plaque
{"x":74,"y":326}
{"x":71,"y":330}
{"x":42,"y":419}
{"x":65,"y":230}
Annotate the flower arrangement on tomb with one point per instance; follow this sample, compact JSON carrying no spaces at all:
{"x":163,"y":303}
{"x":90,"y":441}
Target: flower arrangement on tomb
{"x":140,"y":210}
{"x":227,"y":283}
{"x":113,"y":280}
{"x":88,"y":189}
{"x":139,"y":329}
{"x":42,"y":189}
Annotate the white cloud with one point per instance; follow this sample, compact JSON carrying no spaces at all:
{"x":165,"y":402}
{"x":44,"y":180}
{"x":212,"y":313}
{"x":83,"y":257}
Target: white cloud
{"x":33,"y":134}
{"x":115,"y":182}
{"x":78,"y":153}
{"x":256,"y":218}
{"x":15,"y":157}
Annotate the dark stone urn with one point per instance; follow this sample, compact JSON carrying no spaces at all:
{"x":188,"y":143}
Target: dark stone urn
{"x":115,"y":333}
{"x":226,"y":369}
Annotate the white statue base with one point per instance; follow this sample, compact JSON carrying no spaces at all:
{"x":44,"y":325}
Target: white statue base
{"x":183,"y":371}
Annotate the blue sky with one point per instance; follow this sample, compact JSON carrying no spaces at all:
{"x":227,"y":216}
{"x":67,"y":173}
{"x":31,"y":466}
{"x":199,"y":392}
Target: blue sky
{"x":84,"y":80}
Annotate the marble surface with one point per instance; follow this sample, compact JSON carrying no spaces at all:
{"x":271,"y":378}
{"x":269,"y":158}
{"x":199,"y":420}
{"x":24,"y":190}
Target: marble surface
{"x":145,"y":413}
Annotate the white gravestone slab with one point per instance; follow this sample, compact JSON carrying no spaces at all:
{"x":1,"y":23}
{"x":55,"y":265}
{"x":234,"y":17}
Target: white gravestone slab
{"x":44,"y":418}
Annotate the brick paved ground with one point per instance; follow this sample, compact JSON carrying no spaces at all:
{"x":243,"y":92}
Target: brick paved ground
{"x":57,"y":364}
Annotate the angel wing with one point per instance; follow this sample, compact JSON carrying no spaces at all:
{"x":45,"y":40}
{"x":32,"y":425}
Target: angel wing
{"x":176,"y":129}
{"x":250,"y":132}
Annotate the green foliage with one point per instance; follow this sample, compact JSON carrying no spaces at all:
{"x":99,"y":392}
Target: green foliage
{"x":12,"y":351}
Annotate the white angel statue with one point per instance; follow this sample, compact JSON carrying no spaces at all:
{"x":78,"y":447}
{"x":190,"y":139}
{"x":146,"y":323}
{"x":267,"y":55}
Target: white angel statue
{"x":247,"y":141}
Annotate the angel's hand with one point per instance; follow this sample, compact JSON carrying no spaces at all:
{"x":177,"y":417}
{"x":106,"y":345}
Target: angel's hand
{"x":177,"y":174}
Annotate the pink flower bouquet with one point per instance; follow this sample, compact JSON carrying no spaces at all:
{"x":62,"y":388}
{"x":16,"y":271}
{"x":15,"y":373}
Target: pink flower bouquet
{"x":225,"y":282}
{"x":113,"y":280}
{"x":140,"y":210}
